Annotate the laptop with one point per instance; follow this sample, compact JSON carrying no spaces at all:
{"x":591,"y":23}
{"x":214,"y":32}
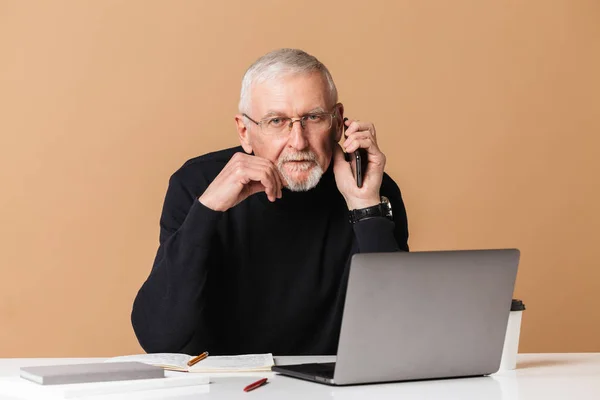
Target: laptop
{"x":421,"y":315}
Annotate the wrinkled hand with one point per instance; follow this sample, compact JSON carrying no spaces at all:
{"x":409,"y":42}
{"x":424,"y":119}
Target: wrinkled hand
{"x":359,"y":135}
{"x":243,"y":176}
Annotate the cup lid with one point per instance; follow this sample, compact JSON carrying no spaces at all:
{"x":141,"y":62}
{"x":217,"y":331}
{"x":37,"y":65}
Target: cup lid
{"x":517,"y":305}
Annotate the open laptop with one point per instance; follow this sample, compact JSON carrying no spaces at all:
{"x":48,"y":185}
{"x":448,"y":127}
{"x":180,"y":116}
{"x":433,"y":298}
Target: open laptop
{"x":422,"y":315}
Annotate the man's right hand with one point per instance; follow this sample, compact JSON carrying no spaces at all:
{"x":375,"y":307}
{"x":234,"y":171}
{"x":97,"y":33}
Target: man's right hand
{"x":243,"y":176}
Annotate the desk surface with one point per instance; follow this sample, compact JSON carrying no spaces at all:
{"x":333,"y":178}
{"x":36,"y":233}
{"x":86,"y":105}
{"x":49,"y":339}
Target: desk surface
{"x":538,"y":376}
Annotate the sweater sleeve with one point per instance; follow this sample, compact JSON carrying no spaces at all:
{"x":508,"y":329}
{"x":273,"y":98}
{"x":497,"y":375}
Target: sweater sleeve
{"x":379,"y":234}
{"x":170,"y":308}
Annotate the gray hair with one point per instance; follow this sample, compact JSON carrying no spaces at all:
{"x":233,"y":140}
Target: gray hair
{"x":282,"y":62}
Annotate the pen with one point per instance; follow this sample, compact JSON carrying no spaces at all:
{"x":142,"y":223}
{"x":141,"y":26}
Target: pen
{"x":197,"y":359}
{"x":255,"y":385}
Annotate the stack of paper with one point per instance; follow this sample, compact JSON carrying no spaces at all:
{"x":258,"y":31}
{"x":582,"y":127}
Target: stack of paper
{"x":178,"y":362}
{"x":92,"y":372}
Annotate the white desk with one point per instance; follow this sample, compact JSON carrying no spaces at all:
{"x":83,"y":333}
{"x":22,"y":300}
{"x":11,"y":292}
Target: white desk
{"x":538,"y":376}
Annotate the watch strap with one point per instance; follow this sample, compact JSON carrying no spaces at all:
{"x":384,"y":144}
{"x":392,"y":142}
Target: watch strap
{"x":365,"y":213}
{"x":383,"y":209}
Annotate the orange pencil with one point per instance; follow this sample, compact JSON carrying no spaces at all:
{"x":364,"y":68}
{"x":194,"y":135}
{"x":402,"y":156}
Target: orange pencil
{"x":197,"y":359}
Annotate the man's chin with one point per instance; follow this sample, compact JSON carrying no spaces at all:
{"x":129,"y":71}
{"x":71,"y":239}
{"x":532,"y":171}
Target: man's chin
{"x":301,"y":181}
{"x":298,"y":177}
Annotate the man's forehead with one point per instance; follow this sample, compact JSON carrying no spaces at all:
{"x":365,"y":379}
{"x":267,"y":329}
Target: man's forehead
{"x":302,"y":92}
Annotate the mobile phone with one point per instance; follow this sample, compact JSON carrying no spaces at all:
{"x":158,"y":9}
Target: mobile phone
{"x":360,"y":157}
{"x":359,"y":160}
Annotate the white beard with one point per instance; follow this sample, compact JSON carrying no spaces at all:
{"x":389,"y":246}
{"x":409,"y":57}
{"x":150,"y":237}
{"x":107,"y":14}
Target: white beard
{"x":314,"y":176}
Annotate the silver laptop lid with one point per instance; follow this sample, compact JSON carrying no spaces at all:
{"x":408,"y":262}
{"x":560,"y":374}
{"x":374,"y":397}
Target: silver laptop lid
{"x":425,"y":315}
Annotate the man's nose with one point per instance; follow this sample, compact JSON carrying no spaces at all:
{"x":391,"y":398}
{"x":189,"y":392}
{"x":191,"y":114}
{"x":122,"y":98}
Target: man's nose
{"x":297,"y":138}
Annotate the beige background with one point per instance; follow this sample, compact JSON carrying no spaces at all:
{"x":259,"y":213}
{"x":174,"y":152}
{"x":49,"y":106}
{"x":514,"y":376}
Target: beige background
{"x":488,"y":113}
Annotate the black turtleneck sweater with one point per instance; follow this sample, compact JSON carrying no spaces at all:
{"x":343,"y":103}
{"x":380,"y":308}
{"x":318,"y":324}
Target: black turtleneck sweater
{"x":261,"y":277}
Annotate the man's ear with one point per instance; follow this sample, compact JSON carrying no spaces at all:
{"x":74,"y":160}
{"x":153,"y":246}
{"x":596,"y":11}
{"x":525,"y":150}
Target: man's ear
{"x":243,"y":133}
{"x":339,"y":121}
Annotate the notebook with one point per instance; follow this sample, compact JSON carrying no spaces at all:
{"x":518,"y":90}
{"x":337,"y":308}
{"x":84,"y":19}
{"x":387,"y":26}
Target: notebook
{"x":174,"y":384}
{"x":91,"y":372}
{"x":215,"y":364}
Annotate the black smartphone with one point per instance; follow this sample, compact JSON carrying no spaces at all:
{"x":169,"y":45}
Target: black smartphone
{"x":359,"y":160}
{"x":360,"y":157}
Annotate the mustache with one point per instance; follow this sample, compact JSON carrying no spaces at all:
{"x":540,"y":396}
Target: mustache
{"x":298,"y":156}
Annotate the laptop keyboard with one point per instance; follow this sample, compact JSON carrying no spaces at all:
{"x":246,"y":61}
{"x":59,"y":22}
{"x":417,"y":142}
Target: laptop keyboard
{"x":324,"y":370}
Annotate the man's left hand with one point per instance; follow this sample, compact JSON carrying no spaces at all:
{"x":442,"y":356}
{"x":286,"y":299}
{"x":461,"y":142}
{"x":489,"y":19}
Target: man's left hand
{"x":359,"y":135}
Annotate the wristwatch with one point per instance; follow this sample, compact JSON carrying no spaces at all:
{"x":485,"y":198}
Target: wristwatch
{"x":383,"y":209}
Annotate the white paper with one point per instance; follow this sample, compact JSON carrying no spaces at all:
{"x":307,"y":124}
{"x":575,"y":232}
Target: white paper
{"x":241,"y":363}
{"x":159,"y":359}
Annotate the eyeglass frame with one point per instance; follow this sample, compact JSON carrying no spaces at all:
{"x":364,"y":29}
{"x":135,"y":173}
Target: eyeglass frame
{"x":302,"y":119}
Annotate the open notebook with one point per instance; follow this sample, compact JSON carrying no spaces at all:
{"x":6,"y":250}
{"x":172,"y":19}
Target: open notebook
{"x":178,"y":362}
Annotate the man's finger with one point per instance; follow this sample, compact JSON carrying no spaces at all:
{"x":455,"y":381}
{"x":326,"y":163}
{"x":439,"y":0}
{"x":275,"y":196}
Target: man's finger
{"x":258,"y":173}
{"x":260,"y":162}
{"x":357,"y":136}
{"x":341,"y":167}
{"x":366,"y":144}
{"x":338,"y":154}
{"x":277,"y":178}
{"x":357,"y":126}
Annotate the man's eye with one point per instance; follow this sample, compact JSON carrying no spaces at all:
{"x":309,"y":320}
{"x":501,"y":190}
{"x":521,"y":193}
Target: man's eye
{"x":276,"y":122}
{"x":314,"y":117}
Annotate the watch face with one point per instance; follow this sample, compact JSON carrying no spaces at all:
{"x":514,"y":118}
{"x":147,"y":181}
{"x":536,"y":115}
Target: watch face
{"x":387,"y":206}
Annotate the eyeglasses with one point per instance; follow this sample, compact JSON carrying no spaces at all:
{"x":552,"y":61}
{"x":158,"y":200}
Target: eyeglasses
{"x":280,"y":126}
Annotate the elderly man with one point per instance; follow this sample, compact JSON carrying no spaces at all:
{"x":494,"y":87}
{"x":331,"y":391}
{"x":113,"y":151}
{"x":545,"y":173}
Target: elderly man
{"x":256,"y":241}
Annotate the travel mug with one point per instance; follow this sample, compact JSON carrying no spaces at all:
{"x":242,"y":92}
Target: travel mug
{"x":513,"y":331}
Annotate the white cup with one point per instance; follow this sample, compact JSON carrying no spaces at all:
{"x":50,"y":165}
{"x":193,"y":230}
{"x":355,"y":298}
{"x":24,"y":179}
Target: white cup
{"x":511,"y":341}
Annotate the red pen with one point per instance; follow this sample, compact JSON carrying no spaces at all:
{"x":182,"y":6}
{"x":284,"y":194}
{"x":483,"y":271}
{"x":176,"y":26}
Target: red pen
{"x":255,"y":385}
